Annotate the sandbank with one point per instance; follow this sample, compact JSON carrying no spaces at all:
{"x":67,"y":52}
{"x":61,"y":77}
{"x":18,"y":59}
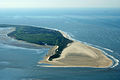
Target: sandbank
{"x":77,"y":54}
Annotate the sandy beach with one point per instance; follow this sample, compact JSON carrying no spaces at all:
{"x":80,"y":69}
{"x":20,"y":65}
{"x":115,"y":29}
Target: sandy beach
{"x":77,"y":54}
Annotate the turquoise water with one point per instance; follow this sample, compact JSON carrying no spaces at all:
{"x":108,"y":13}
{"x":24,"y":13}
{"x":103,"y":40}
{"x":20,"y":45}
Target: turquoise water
{"x":97,"y":27}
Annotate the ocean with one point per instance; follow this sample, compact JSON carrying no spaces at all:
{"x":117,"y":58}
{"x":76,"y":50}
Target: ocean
{"x":99,"y":27}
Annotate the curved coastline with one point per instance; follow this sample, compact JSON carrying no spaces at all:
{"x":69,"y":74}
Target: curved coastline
{"x":61,"y":61}
{"x":5,"y":39}
{"x":114,"y":60}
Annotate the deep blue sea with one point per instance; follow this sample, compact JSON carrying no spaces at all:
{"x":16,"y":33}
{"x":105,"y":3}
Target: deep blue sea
{"x":98,"y":27}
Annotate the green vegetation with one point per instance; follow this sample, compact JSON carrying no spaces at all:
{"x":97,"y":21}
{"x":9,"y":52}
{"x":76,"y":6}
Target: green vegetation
{"x":41,"y":36}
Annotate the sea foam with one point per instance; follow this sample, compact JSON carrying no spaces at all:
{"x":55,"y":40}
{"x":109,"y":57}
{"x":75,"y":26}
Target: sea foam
{"x":116,"y":61}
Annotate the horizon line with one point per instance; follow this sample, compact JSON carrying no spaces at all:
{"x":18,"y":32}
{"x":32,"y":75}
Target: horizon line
{"x":61,"y":8}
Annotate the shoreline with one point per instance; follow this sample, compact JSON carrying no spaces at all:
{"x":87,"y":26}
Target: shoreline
{"x":5,"y":39}
{"x":59,"y":62}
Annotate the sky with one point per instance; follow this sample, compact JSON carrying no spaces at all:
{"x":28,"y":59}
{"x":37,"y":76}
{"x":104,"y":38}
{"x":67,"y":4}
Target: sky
{"x":59,"y":3}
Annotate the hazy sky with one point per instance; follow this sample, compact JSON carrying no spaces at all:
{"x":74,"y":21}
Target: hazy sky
{"x":59,"y":3}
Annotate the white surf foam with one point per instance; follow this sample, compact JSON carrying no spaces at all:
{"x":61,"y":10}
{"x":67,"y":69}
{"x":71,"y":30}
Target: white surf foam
{"x":116,"y":61}
{"x":108,"y":50}
{"x":70,"y":37}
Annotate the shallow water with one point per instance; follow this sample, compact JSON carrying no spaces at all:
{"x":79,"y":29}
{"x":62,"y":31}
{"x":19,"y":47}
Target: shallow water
{"x":95,"y":27}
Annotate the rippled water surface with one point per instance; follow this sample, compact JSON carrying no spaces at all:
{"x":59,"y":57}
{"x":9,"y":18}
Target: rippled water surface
{"x":97,"y":27}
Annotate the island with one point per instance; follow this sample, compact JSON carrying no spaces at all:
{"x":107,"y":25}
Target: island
{"x":64,"y":51}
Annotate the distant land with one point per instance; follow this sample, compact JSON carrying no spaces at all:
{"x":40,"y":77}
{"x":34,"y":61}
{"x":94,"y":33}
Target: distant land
{"x":64,"y":52}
